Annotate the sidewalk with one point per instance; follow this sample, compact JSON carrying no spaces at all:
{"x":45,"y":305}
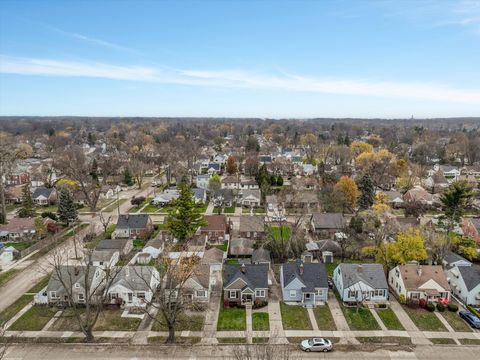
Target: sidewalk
{"x":211,"y":319}
{"x":417,"y":336}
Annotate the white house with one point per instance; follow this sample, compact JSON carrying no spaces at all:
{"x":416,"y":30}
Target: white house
{"x":464,"y":279}
{"x":154,"y":247}
{"x":363,"y":283}
{"x":134,"y":286}
{"x":203,"y":180}
{"x":415,"y":282}
{"x":105,"y":259}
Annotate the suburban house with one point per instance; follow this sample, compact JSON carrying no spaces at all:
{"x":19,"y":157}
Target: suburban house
{"x":395,"y":198}
{"x":436,"y":183}
{"x":123,"y":246}
{"x":464,"y":279}
{"x":199,"y":195}
{"x":72,"y":277}
{"x":133,"y":226}
{"x":250,"y":198}
{"x":223,"y":198}
{"x":361,"y":283}
{"x":202,"y":181}
{"x":18,"y":228}
{"x":327,"y":224}
{"x":166,"y":197}
{"x":133,"y":286}
{"x":105,"y":259}
{"x":195,"y":289}
{"x":416,"y":282}
{"x":304,"y":283}
{"x":213,"y":168}
{"x":44,"y":196}
{"x":252,"y":227}
{"x":214,"y":257}
{"x":241,"y":247}
{"x":109,"y":191}
{"x":318,"y":248}
{"x":7,"y":255}
{"x":245,"y":284}
{"x":217,"y":228}
{"x":418,"y":195}
{"x":471,"y":227}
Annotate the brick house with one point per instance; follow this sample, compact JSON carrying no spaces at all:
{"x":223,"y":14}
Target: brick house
{"x":245,"y":284}
{"x":133,"y":226}
{"x":217,"y":228}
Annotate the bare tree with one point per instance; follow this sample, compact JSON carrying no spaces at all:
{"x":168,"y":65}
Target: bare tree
{"x":84,"y":288}
{"x":105,"y":220}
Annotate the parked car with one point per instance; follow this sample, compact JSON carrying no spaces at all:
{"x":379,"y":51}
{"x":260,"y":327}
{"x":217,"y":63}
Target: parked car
{"x":316,"y":344}
{"x":471,"y":319}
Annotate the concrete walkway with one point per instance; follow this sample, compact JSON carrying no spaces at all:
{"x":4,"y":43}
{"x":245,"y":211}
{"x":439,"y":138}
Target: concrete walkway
{"x":446,"y":324}
{"x":277,"y":334}
{"x":340,"y":321}
{"x":209,"y":210}
{"x":248,"y":311}
{"x":417,"y":336}
{"x":313,"y":321}
{"x":55,"y":317}
{"x":141,"y":335}
{"x":211,"y":319}
{"x":379,"y":321}
{"x":18,"y":315}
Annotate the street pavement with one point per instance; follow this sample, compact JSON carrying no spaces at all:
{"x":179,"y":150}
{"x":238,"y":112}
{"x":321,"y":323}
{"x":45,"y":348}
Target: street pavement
{"x":147,"y":352}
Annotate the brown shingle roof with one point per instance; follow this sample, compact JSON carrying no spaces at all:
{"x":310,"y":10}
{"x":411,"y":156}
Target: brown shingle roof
{"x":414,"y":276}
{"x":215,"y":223}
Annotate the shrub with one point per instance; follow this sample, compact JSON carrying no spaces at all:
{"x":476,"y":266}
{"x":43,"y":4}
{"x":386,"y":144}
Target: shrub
{"x":259,"y":304}
{"x":52,"y":227}
{"x":50,"y":215}
{"x":453,"y":307}
{"x":402,"y":299}
{"x":441,"y":307}
{"x":430,"y":307}
{"x":137,"y":200}
{"x":422,"y":303}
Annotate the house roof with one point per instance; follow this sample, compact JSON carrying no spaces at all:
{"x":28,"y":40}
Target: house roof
{"x":226,"y":194}
{"x":252,"y":223}
{"x":103,"y":255}
{"x":261,"y":255}
{"x":135,"y":277}
{"x":19,"y":225}
{"x":213,"y":256}
{"x":42,"y":191}
{"x":414,"y":275}
{"x":452,"y":257}
{"x":328,"y":245}
{"x":241,"y":246}
{"x":128,"y":221}
{"x":117,"y":244}
{"x":255,"y":275}
{"x":230,"y":180}
{"x":314,"y":275}
{"x":371,"y":274}
{"x":70,"y":275}
{"x":476,"y":223}
{"x":215,"y":222}
{"x":470,"y":275}
{"x":250,"y":192}
{"x":328,"y":220}
{"x":156,"y":243}
{"x":198,"y":193}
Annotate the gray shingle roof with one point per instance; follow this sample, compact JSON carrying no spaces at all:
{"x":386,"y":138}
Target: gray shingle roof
{"x":314,"y":275}
{"x":470,"y":275}
{"x":69,"y":275}
{"x":42,"y":191}
{"x":371,"y":274}
{"x":135,"y":277}
{"x":252,"y":223}
{"x":452,"y":257}
{"x":117,"y":244}
{"x":256,"y":275}
{"x":137,"y":221}
{"x":328,"y":220}
{"x":261,"y":255}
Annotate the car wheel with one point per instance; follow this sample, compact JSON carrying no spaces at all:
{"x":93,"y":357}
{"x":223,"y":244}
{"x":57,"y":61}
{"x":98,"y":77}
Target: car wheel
{"x":325,"y":350}
{"x":307,"y":350}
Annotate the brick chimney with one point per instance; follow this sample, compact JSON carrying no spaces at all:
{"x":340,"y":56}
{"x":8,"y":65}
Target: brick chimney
{"x":360,"y":268}
{"x":301,"y":268}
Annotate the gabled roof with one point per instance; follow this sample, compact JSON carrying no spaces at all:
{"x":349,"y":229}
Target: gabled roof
{"x":70,"y":275}
{"x":255,"y":276}
{"x":252,"y":223}
{"x":414,"y":276}
{"x":261,"y":255}
{"x":241,"y":246}
{"x":215,"y":223}
{"x":250,"y":192}
{"x":370,"y":274}
{"x":314,"y":275}
{"x":116,"y":244}
{"x":128,"y":221}
{"x":42,"y":191}
{"x":470,"y":275}
{"x":135,"y":277}
{"x":213,"y":256}
{"x":328,"y":220}
{"x":452,"y":257}
{"x":103,"y":255}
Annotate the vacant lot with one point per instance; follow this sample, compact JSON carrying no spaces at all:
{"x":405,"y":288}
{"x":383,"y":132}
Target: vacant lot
{"x":192,"y":322}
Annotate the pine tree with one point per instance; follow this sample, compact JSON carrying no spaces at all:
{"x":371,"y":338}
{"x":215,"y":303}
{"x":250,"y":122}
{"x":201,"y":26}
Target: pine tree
{"x":184,"y":218}
{"x":127,"y":177}
{"x":67,"y":211}
{"x":367,"y":189}
{"x":27,"y":209}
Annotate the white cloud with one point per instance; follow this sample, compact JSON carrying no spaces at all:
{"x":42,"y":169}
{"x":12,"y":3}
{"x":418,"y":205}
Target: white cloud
{"x":240,"y":79}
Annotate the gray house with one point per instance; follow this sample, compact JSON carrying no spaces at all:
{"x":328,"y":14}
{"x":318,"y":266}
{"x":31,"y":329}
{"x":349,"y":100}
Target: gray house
{"x":304,"y":283}
{"x":245,"y":284}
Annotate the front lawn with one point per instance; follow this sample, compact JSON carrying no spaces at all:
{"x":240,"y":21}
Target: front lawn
{"x":443,"y":341}
{"x":455,"y":321}
{"x":22,"y":245}
{"x":385,"y":340}
{"x":295,"y":317}
{"x":361,"y":319}
{"x":34,"y":319}
{"x":5,"y":276}
{"x":13,"y":309}
{"x":425,"y":320}
{"x":223,"y":247}
{"x":231,"y":319}
{"x":278,"y":232}
{"x":108,"y":320}
{"x":390,"y":319}
{"x":324,"y":318}
{"x":184,"y":322}
{"x":260,"y":321}
{"x":229,"y":210}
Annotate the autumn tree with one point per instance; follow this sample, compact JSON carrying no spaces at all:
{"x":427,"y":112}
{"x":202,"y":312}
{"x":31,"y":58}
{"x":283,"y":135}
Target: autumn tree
{"x":184,"y":217}
{"x":251,"y":166}
{"x":231,"y":165}
{"x":464,"y":245}
{"x":408,"y":246}
{"x":438,"y":244}
{"x":40,"y":228}
{"x":347,"y":187}
{"x":359,"y":147}
{"x":367,"y":192}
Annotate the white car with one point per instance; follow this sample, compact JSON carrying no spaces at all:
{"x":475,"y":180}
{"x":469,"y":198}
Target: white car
{"x":316,"y":344}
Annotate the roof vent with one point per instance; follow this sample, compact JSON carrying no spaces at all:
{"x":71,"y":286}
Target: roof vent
{"x":243,"y":268}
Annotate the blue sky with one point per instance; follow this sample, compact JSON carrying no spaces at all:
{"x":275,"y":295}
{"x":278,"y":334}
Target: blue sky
{"x":240,"y":58}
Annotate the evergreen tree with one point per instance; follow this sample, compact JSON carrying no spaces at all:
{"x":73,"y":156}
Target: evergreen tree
{"x":67,"y":211}
{"x":184,"y":218}
{"x":263,"y":180}
{"x":347,"y":140}
{"x":27,"y":209}
{"x":127,"y":177}
{"x":367,"y":189}
{"x":454,"y":202}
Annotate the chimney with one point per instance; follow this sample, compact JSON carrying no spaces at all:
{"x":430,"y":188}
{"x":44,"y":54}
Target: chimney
{"x":360,"y":268}
{"x":419,"y":271}
{"x":301,"y":268}
{"x":243,"y":269}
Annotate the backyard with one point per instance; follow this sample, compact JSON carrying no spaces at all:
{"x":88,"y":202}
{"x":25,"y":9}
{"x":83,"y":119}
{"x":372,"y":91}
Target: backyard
{"x":295,"y":317}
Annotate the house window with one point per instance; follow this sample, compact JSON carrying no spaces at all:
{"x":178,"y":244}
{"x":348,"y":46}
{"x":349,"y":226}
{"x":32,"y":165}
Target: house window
{"x":77,"y":285}
{"x":319,"y":292}
{"x":130,"y":297}
{"x":352,"y":294}
{"x":101,"y":263}
{"x":232,"y":294}
{"x":379,"y":292}
{"x":53,"y":294}
{"x":141,"y":294}
{"x":113,"y":296}
{"x":293,"y":293}
{"x":201,"y":294}
{"x":81,"y":297}
{"x":414,"y":295}
{"x":259,"y":293}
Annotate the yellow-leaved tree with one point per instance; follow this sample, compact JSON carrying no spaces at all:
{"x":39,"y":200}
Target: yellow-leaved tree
{"x":348,"y":191}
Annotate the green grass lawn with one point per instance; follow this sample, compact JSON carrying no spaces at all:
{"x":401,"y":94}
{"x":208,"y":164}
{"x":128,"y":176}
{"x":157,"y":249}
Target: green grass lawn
{"x":223,"y":247}
{"x":331,"y":266}
{"x":455,"y":321}
{"x":40,"y":285}
{"x":280,"y":232}
{"x":260,"y":321}
{"x":324,"y":318}
{"x":259,"y":210}
{"x":34,"y":319}
{"x":184,"y":322}
{"x":229,"y":210}
{"x":138,"y":207}
{"x":231,"y":319}
{"x":232,"y":340}
{"x":389,"y":319}
{"x":13,"y":309}
{"x":385,"y":340}
{"x":232,"y":262}
{"x":5,"y":276}
{"x":295,"y":317}
{"x":138,"y":244}
{"x":443,"y":341}
{"x":108,"y":320}
{"x":425,"y":320}
{"x":22,"y":245}
{"x":361,"y":320}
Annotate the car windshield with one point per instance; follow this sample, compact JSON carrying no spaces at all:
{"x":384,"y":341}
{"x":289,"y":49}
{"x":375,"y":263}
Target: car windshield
{"x":310,"y":342}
